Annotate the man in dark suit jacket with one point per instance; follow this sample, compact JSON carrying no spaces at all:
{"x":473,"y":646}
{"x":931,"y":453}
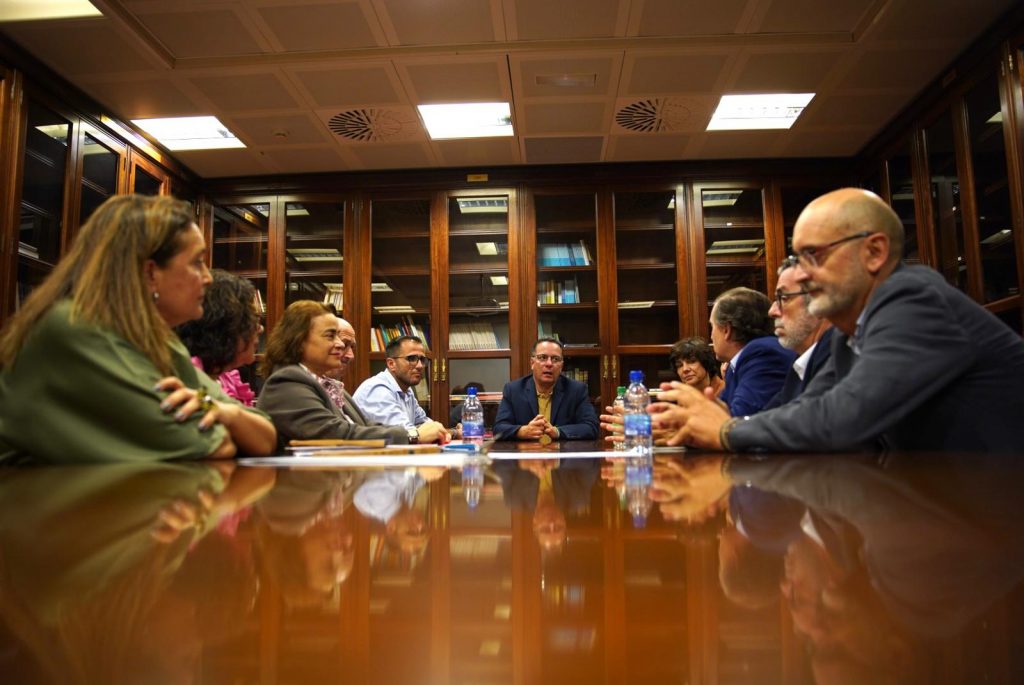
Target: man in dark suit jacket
{"x":546,"y":405}
{"x":741,"y":334}
{"x":809,"y":336}
{"x":916,"y":364}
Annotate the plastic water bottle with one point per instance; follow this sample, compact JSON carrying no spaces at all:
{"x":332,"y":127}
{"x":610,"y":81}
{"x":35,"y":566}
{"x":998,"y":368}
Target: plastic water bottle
{"x":472,"y":419}
{"x":637,"y":423}
{"x":619,"y":403}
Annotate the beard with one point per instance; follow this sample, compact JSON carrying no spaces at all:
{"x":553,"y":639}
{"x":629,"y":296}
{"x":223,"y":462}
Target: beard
{"x":796,"y":334}
{"x":829,"y":300}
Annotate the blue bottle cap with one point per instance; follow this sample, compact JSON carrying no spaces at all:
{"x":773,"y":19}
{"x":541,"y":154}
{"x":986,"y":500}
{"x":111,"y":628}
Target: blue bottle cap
{"x":471,"y":392}
{"x":636,"y":376}
{"x":639,"y":521}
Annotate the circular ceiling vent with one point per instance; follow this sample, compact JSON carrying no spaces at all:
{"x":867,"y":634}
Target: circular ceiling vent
{"x":368,"y":125}
{"x":656,"y":115}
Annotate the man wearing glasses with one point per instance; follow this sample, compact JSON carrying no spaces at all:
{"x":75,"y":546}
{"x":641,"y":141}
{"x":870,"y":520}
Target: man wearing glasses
{"x":916,"y":364}
{"x":809,"y":336}
{"x":545,"y":405}
{"x":388,"y":398}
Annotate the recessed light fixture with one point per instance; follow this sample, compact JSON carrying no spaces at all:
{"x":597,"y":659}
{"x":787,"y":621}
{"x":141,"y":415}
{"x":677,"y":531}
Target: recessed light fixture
{"x":28,"y":10}
{"x":720,"y":198}
{"x":467,"y":120}
{"x":996,"y":118}
{"x":190,"y":133}
{"x":487,"y":248}
{"x":763,"y":111}
{"x":483,"y":205}
{"x":499,"y":280}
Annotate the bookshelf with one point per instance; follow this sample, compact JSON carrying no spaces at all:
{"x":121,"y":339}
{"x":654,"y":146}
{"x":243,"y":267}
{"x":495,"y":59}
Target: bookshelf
{"x":314,"y":247}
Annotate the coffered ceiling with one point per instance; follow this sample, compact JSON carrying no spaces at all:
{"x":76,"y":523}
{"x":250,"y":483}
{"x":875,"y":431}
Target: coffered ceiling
{"x":332,"y":85}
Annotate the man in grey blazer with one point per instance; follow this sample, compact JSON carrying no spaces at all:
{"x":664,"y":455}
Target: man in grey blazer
{"x":916,"y":364}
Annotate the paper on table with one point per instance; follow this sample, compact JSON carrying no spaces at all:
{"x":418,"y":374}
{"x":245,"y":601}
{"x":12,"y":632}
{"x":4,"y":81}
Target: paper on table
{"x":359,"y":461}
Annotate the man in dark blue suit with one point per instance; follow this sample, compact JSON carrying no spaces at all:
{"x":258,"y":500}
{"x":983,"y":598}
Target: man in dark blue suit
{"x":809,"y":336}
{"x":741,"y":334}
{"x":545,"y":405}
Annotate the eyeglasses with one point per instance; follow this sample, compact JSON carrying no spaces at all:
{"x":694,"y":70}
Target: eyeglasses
{"x":814,"y":255}
{"x":782,"y":297}
{"x":414,"y":359}
{"x":554,"y":358}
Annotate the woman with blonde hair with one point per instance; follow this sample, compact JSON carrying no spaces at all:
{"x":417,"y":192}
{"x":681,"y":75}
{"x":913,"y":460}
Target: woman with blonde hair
{"x":90,"y":369}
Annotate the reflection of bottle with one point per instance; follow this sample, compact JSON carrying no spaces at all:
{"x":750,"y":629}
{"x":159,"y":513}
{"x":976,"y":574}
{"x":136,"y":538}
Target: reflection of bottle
{"x":619,"y":403}
{"x":472,"y":418}
{"x":472,"y":480}
{"x":638,"y":488}
{"x":637,"y":422}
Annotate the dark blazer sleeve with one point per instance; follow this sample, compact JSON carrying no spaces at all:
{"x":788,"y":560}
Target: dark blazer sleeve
{"x":760,"y":374}
{"x":577,"y":412}
{"x":912,"y":348}
{"x":510,"y":412}
{"x":301,"y":410}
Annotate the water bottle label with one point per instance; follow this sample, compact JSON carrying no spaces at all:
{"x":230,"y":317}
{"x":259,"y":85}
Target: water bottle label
{"x":637,"y":425}
{"x":472,"y":430}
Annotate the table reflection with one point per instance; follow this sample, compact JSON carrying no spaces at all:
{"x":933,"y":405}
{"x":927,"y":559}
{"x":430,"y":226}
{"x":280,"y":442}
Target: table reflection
{"x":540,"y":568}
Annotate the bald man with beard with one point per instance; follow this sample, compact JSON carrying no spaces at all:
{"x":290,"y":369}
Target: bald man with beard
{"x":916,"y":364}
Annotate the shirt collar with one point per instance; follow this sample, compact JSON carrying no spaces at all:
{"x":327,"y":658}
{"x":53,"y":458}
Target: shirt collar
{"x":800,"y":365}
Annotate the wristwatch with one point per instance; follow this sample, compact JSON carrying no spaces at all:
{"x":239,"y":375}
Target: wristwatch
{"x":414,"y":435}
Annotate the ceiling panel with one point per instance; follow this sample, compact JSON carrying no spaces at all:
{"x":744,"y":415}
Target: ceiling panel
{"x":336,"y":82}
{"x":301,"y":27}
{"x":414,"y":22}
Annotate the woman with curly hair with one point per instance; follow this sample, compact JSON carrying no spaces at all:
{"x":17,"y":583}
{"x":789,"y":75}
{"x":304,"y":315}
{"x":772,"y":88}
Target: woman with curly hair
{"x":225,"y":337}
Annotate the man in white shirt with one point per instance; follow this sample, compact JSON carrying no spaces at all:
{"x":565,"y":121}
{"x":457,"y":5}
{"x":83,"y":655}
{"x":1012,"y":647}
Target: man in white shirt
{"x":388,"y":397}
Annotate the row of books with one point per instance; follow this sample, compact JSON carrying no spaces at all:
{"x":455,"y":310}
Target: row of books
{"x":382,"y":335}
{"x":472,"y":336}
{"x":334,"y":293}
{"x":581,"y":375}
{"x":564,"y":254}
{"x":558,"y":292}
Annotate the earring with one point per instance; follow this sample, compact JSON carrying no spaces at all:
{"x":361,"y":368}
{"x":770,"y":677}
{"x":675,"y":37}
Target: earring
{"x":156,"y":297}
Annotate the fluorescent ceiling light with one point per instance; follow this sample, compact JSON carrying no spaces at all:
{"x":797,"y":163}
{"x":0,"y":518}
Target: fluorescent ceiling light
{"x":499,"y":280}
{"x":380,"y":288}
{"x":190,"y":133}
{"x":487,"y":248}
{"x":58,"y":132}
{"x":720,"y":198}
{"x":296,"y":210}
{"x":468,"y":120}
{"x":394,"y":309}
{"x":27,"y":10}
{"x":769,"y":110}
{"x":483,"y":205}
{"x":996,"y":118}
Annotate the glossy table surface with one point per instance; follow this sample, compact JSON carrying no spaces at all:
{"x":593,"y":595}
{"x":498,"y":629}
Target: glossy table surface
{"x":859,"y":569}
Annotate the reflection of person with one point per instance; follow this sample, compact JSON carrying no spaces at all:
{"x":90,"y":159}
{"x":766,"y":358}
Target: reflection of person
{"x":397,"y":499}
{"x":388,"y":398}
{"x":305,"y":403}
{"x":694,"y":361}
{"x":545,"y":403}
{"x":549,"y":488}
{"x":741,"y":334}
{"x":915,"y":363}
{"x":95,"y":559}
{"x":90,"y":369}
{"x":305,"y":538}
{"x":225,"y":337}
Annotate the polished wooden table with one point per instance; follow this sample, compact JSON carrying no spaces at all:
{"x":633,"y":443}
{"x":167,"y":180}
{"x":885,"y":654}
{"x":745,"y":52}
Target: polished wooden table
{"x":541,"y":570}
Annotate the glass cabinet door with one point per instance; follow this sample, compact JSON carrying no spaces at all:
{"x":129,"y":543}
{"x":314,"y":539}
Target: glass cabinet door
{"x":734,"y":240}
{"x":101,"y":167}
{"x":901,"y":197}
{"x":401,"y":284}
{"x":47,"y":139}
{"x":947,"y":216}
{"x":478,"y":344}
{"x":794,"y":199}
{"x":146,"y":177}
{"x":240,"y":233}
{"x":567,"y":282}
{"x":313,"y":252}
{"x":992,"y":192}
{"x":645,"y":268}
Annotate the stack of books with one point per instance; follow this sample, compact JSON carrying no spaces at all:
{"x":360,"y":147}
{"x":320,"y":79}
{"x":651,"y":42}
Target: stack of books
{"x":564,"y":254}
